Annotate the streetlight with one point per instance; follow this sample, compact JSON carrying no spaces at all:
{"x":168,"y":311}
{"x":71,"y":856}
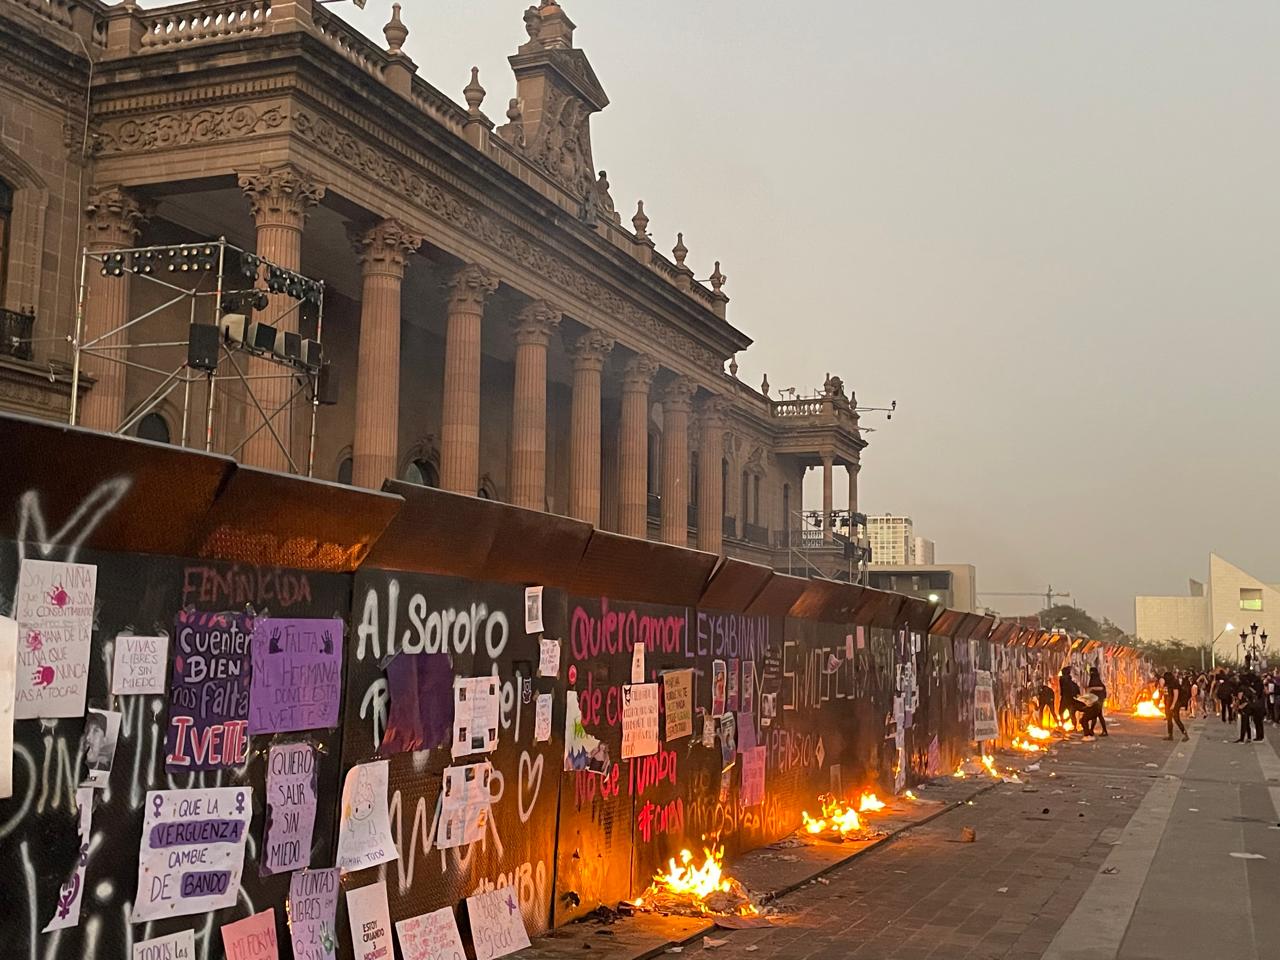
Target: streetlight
{"x":933,"y":598}
{"x":1249,"y":643}
{"x":1213,"y":653}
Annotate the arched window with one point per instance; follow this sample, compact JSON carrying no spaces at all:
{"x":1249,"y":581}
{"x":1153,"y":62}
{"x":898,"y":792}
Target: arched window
{"x":154,"y":427}
{"x":755,"y":502}
{"x":744,"y":503}
{"x":422,"y":472}
{"x":345,"y":470}
{"x":6,"y":214}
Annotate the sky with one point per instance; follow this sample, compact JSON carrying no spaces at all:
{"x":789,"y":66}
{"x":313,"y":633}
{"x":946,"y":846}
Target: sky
{"x":1047,"y":230}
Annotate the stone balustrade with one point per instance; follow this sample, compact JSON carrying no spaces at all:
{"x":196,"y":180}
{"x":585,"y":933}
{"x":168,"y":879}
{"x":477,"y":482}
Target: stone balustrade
{"x":203,"y":22}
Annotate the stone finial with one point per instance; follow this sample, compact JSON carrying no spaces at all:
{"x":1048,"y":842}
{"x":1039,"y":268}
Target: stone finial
{"x":764,"y":385}
{"x":717,"y":278}
{"x":532,"y":22}
{"x":733,"y":366}
{"x":395,"y":31}
{"x":474,"y":93}
{"x":679,"y":251}
{"x":640,"y":221}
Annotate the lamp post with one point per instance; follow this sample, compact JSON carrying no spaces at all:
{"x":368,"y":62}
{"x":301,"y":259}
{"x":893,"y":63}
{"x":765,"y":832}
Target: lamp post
{"x":1213,"y":652}
{"x":1254,"y":644}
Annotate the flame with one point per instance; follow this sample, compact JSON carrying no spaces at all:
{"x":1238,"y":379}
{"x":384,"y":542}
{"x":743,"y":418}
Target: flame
{"x":1038,"y":733}
{"x":911,"y":796}
{"x":1026,"y":745}
{"x":989,"y":762}
{"x":695,"y":881}
{"x":836,"y":817}
{"x":869,"y":802}
{"x":1149,"y":708}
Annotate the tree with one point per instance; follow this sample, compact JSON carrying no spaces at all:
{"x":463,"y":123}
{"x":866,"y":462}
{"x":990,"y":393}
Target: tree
{"x":1072,"y":619}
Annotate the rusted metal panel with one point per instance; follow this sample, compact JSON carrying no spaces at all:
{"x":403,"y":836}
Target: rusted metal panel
{"x":778,"y":596}
{"x":734,"y":585}
{"x":640,"y":570}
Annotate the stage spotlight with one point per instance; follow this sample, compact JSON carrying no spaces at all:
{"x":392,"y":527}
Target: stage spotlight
{"x":113,"y":265}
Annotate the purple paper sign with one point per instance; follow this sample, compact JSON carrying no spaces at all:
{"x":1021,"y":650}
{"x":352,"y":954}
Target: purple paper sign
{"x":313,"y":905}
{"x":420,"y":687}
{"x":297,"y":675}
{"x":291,"y":808}
{"x":209,"y":695}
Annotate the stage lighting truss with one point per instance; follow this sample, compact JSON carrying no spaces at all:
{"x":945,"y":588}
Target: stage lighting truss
{"x":248,"y":300}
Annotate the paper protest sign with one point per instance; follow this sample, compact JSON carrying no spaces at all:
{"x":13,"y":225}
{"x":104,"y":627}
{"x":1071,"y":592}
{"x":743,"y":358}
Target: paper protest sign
{"x":253,"y":938}
{"x":139,"y":665}
{"x":532,"y":609}
{"x":173,"y":946}
{"x":297,"y":675}
{"x":54,"y":610}
{"x":464,"y":804}
{"x":497,"y":927}
{"x":71,"y":894}
{"x":639,"y":719}
{"x":542,"y":719}
{"x":98,"y":746}
{"x":548,"y":657}
{"x":677,"y":702}
{"x":370,"y":921}
{"x":475,"y":715}
{"x":313,"y":909}
{"x":752,"y":792}
{"x":8,"y":688}
{"x":432,"y":936}
{"x":209,"y":692}
{"x":364,"y":829}
{"x":291,"y":808}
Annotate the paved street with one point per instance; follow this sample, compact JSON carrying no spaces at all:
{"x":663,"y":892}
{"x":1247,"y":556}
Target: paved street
{"x":1125,"y":851}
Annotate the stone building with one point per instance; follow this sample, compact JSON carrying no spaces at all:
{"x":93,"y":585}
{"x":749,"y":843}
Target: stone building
{"x":495,"y":325}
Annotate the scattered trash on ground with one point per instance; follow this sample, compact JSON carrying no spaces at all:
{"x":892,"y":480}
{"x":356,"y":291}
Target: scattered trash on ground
{"x":1247,"y":856}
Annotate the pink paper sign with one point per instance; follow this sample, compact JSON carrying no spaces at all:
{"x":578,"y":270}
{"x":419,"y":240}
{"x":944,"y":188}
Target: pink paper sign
{"x":253,"y":938}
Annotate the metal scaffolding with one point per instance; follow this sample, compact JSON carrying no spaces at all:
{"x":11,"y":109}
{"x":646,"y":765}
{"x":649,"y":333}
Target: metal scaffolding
{"x":222,"y":286}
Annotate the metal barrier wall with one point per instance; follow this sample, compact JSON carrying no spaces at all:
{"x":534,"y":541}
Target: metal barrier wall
{"x":844,"y":687}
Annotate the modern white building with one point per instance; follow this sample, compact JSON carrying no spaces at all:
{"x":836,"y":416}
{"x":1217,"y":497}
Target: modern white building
{"x":1213,"y":612}
{"x":892,"y":540}
{"x":926,"y":550}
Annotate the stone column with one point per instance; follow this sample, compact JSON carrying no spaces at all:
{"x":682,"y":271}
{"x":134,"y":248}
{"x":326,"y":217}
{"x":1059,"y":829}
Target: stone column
{"x":280,"y":198}
{"x":114,"y":218}
{"x":853,"y":493}
{"x":710,"y":479}
{"x":588,"y":354}
{"x":677,"y":401}
{"x":633,"y":447}
{"x":827,"y":532}
{"x":534,"y":327}
{"x":383,"y":250}
{"x":609,"y":475}
{"x":460,"y":415}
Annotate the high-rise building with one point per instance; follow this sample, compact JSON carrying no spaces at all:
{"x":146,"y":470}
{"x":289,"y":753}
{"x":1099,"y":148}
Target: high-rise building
{"x":892,"y":540}
{"x":925,"y":550}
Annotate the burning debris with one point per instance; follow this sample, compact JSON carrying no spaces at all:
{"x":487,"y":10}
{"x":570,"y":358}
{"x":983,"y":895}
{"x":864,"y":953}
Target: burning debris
{"x":870,"y":803}
{"x":1152,"y":707}
{"x":1026,"y":746}
{"x":837,"y":818}
{"x":698,"y":890}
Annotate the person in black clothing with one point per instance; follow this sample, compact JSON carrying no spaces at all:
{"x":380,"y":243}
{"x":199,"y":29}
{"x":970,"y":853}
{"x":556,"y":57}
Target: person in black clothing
{"x":1173,"y":705}
{"x":1225,"y":689}
{"x":1069,"y":704}
{"x":1250,"y":707}
{"x":1093,"y":712}
{"x":1044,"y":701}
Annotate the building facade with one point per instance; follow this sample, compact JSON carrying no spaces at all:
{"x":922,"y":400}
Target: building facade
{"x":925,"y":550}
{"x":951,"y":585}
{"x":892,"y":540}
{"x":492,"y":322}
{"x":1214,"y":611}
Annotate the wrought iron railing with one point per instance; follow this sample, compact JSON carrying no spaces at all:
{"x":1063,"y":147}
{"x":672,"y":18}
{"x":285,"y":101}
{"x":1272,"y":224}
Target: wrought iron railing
{"x":15,"y":333}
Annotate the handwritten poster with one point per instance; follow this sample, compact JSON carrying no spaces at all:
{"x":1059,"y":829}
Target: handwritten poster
{"x":209,"y":692}
{"x":475,"y":715}
{"x":139,"y":665}
{"x":746,"y":730}
{"x":708,"y":730}
{"x":639,"y":719}
{"x":465,"y":796}
{"x":731,"y":696}
{"x":752,"y":792}
{"x":419,"y":686}
{"x":370,"y":922}
{"x":253,"y":938}
{"x":8,"y":688}
{"x":291,"y":808}
{"x":297,"y":675}
{"x":173,"y":946}
{"x":728,"y":739}
{"x":718,"y":681}
{"x":364,"y":830}
{"x":496,"y":925}
{"x":548,"y":657}
{"x":582,"y":751}
{"x":432,"y":936}
{"x":532,"y":609}
{"x":677,"y":702}
{"x":54,"y":610}
{"x":542,"y":719}
{"x":985,"y":724}
{"x":637,"y":663}
{"x":313,"y":910}
{"x":192,"y":851}
{"x":748,"y":687}
{"x":71,"y":894}
{"x":98,"y":746}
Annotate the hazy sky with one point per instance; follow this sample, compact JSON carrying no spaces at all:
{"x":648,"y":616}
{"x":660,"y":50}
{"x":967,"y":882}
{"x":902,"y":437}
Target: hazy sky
{"x":1048,"y":230}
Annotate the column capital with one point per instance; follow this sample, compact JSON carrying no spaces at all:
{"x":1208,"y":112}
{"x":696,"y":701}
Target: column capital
{"x":472,"y":285}
{"x":114,"y":217}
{"x":589,"y":351}
{"x":281,"y":195}
{"x":711,"y":411}
{"x":536,"y":323}
{"x":384,"y":247}
{"x":678,"y":394}
{"x":639,"y":373}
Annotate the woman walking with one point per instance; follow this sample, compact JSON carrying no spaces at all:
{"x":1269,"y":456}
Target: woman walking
{"x":1094,"y":713}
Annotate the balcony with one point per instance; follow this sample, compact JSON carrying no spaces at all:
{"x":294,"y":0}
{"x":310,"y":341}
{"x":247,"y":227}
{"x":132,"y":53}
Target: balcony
{"x":15,"y":334}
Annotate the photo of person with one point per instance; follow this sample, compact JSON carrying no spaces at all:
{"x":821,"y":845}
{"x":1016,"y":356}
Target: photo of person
{"x":98,"y":746}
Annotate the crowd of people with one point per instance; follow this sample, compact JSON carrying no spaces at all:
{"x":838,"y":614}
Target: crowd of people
{"x":1230,"y":694}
